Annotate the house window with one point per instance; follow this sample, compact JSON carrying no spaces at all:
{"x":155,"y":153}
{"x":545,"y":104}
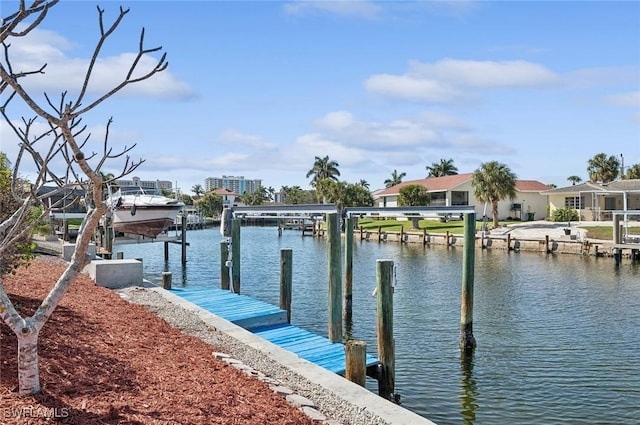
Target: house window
{"x":438,"y":199}
{"x":574,"y":202}
{"x":459,"y":198}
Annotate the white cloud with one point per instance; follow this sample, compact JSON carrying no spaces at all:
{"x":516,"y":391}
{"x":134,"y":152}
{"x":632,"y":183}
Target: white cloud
{"x":412,"y":88}
{"x":625,"y":99}
{"x":66,"y":73}
{"x":343,"y":128}
{"x":441,"y":120}
{"x":449,"y":80}
{"x":484,"y":73}
{"x":336,"y":121}
{"x":467,"y":142}
{"x":238,"y":138}
{"x":347,"y":8}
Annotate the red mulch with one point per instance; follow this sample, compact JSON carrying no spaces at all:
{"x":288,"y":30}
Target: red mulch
{"x":106,"y":361}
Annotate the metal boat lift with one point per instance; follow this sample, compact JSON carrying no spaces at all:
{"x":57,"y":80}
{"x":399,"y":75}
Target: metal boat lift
{"x":308,"y":210}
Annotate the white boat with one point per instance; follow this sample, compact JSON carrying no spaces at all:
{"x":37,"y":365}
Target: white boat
{"x":142,"y":212}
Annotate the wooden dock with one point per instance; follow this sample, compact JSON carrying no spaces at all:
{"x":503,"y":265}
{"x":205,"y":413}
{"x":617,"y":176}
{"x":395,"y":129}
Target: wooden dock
{"x":270,"y":323}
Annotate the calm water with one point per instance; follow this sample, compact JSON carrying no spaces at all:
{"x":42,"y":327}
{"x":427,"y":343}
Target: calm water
{"x":558,"y":336}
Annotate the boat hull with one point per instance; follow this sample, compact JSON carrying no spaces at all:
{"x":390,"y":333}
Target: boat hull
{"x":145,"y":221}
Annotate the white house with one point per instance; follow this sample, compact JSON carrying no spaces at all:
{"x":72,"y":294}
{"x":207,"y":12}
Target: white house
{"x":530,"y":202}
{"x":228,"y":197}
{"x":596,"y":202}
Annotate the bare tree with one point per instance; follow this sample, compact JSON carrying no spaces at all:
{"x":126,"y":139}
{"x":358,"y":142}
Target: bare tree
{"x":63,"y":142}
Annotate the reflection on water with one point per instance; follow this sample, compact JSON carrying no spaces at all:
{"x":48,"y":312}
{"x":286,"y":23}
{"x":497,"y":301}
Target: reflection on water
{"x":468,"y":388}
{"x":557,"y":334}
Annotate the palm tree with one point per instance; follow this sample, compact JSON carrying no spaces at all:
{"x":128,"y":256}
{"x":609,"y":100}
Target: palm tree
{"x":363,"y":183}
{"x":603,"y":169}
{"x":108,"y":180}
{"x":323,"y":168}
{"x":493,"y":182}
{"x":633,"y":172}
{"x":198,"y":190}
{"x":574,"y":179}
{"x":271,"y":193}
{"x":294,"y":195}
{"x":395,"y":179}
{"x":444,"y":168}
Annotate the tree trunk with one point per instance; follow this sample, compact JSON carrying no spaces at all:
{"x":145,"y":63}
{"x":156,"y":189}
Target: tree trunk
{"x":28,"y":371}
{"x":28,"y":329}
{"x":415,"y":223}
{"x":494,"y":207}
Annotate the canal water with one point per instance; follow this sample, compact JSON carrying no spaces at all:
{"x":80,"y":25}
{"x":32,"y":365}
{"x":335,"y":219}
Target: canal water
{"x":558,"y":335}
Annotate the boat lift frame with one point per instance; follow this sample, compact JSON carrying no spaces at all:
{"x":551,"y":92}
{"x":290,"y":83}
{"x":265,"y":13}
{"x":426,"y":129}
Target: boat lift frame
{"x":306,"y":210}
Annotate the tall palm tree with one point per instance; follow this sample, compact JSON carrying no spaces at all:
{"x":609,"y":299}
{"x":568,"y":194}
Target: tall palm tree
{"x":271,"y":193}
{"x":363,"y":183}
{"x":574,"y":179}
{"x":323,"y":168}
{"x":493,"y":182}
{"x":603,"y":169}
{"x":395,"y":179}
{"x":198,"y":190}
{"x":444,"y":168}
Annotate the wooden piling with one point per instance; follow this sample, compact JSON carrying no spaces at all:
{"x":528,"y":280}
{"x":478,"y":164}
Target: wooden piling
{"x":384,"y":325}
{"x":166,"y":280}
{"x":224,"y":269}
{"x":448,"y":237}
{"x":286,"y":280}
{"x":348,"y":275}
{"x":356,"y":361}
{"x":335,"y":278}
{"x":379,"y":234}
{"x":617,"y":256}
{"x":467,"y":340}
{"x":546,"y":244}
{"x":166,"y":251}
{"x":617,"y":233}
{"x":508,"y":241}
{"x":235,"y":255}
{"x":108,"y":239}
{"x":184,"y":239}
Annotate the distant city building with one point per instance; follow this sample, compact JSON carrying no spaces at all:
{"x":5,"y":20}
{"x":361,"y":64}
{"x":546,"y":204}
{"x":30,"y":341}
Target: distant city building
{"x":145,"y":184}
{"x":237,"y":184}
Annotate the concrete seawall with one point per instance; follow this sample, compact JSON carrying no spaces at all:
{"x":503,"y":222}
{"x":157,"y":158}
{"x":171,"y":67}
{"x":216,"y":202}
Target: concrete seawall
{"x":543,"y":238}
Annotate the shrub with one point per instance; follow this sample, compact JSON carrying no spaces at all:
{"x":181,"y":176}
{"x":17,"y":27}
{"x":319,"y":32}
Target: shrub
{"x":565,"y":214}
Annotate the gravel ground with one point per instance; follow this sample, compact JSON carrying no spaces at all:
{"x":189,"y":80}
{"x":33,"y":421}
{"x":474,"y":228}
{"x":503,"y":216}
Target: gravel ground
{"x":340,"y":411}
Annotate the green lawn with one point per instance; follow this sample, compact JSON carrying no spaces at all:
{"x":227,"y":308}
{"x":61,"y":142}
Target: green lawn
{"x":606,"y":232}
{"x":457,"y":227}
{"x":431,"y":226}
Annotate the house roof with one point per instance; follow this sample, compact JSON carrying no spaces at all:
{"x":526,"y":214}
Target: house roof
{"x":433,"y":184}
{"x":531,"y":186}
{"x":439,"y":184}
{"x":223,"y":191}
{"x":626,"y":185}
{"x":618,"y":185}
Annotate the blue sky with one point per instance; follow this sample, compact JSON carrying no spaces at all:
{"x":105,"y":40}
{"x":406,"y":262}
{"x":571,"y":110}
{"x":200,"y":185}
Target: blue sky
{"x":258,"y":89}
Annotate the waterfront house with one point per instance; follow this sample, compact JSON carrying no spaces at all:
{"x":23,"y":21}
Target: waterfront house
{"x":456,"y":190}
{"x":596,"y":202}
{"x":228,"y":197}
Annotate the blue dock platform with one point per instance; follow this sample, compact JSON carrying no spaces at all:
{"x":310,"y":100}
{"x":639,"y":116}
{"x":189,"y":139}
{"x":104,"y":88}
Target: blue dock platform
{"x":270,"y":323}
